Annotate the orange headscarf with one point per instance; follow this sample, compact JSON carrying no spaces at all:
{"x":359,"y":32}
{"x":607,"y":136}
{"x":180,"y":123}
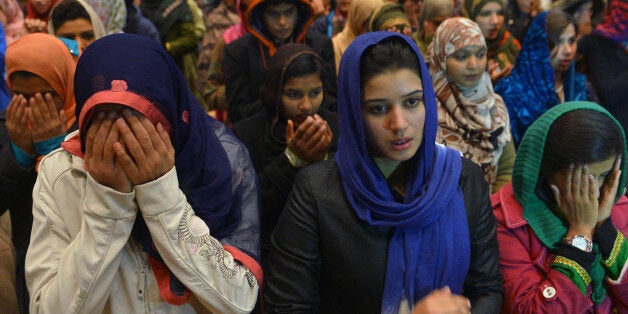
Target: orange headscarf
{"x":49,"y":58}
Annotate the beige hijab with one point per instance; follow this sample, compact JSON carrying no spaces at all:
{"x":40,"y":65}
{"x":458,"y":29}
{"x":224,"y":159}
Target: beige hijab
{"x":473,"y":120}
{"x":359,"y":14}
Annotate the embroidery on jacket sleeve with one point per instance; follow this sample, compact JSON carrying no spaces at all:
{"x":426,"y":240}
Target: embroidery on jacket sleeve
{"x":194,"y":232}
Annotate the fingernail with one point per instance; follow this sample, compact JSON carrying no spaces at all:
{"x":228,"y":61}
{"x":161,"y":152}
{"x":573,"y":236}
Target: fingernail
{"x":127,"y":113}
{"x":111,"y":114}
{"x":554,"y":188}
{"x":100,"y":115}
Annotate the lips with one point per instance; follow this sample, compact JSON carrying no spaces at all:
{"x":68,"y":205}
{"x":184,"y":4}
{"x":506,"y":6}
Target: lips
{"x":493,"y":32}
{"x":471,"y":77}
{"x":401,"y":143}
{"x":282,"y":33}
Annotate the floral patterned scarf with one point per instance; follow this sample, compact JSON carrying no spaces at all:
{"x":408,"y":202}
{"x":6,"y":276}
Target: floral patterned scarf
{"x":473,"y":120}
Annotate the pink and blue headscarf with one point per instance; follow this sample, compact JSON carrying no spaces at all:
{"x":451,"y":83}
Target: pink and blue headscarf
{"x":136,"y":71}
{"x":430,"y":245}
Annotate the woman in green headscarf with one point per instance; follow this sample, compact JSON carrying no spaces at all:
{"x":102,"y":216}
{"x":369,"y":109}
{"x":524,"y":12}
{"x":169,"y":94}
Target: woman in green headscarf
{"x":389,"y":16}
{"x":562,"y":222}
{"x":503,"y":48}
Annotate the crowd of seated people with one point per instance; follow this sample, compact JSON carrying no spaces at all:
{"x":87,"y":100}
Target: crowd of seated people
{"x":334,"y":156}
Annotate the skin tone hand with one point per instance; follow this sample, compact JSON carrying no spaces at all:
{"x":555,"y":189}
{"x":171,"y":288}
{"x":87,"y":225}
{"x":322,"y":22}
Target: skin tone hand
{"x":608,"y":193}
{"x":578,"y":202}
{"x":17,"y":124}
{"x":497,"y":73}
{"x":311,"y":139}
{"x":34,"y":25}
{"x":100,"y":156}
{"x":145,"y":152}
{"x":46,"y":122}
{"x":442,"y":301}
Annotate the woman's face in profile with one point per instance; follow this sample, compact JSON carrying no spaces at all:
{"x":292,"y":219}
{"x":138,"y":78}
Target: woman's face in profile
{"x":394,"y":114}
{"x":565,"y":50}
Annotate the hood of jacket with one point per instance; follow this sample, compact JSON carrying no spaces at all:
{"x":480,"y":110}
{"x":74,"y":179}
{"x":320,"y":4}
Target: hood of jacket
{"x":254,"y":22}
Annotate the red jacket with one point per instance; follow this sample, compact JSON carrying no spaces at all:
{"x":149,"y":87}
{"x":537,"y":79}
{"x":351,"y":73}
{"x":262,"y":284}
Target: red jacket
{"x":531,"y":285}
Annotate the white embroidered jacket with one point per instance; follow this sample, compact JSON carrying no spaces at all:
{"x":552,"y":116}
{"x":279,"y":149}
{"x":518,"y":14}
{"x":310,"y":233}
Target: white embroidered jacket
{"x":81,"y":258}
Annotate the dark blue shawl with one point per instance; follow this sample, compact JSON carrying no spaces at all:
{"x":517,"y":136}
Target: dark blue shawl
{"x":529,"y":90}
{"x":202,"y":165}
{"x":430,"y":245}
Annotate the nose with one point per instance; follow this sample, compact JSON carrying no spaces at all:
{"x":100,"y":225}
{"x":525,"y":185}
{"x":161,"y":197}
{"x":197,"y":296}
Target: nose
{"x":473,"y":62}
{"x":397,"y":122}
{"x":493,"y":18}
{"x":281,"y":20}
{"x":567,"y":49}
{"x":306,"y":105}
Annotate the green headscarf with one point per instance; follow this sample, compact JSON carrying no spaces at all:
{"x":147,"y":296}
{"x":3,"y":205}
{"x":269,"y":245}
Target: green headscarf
{"x":548,"y":227}
{"x":386,"y":16}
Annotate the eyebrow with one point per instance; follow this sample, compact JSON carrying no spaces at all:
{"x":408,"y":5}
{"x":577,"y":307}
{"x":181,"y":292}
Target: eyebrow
{"x":376,"y":100}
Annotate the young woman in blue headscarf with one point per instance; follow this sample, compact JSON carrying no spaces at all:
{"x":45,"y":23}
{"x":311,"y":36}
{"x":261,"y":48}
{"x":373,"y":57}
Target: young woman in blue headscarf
{"x":544,"y":74}
{"x":395,"y":222}
{"x":152,"y":205}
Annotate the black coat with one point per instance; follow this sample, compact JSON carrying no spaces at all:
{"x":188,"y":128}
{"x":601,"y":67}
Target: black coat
{"x":606,"y":66}
{"x":325,"y":259}
{"x":273,"y":168}
{"x":245,"y":67}
{"x":16,"y":188}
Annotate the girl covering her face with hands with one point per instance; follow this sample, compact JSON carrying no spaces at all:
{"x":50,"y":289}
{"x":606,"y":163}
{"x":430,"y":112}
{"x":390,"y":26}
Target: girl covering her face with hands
{"x":563,"y":221}
{"x":152,"y":205}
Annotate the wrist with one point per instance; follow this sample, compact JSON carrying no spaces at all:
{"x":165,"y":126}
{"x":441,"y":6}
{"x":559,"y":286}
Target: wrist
{"x":579,"y":241}
{"x":294,"y":160}
{"x":586,"y":231}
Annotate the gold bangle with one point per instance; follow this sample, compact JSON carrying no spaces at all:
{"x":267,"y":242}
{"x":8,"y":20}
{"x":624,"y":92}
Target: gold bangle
{"x":294,"y":160}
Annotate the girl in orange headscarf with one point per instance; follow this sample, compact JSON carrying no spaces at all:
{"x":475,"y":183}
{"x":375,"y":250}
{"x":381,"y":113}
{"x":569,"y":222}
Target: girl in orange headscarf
{"x":40,"y":72}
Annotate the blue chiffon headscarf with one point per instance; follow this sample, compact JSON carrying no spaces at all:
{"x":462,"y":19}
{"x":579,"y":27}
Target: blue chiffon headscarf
{"x":430,"y":245}
{"x":529,"y":90}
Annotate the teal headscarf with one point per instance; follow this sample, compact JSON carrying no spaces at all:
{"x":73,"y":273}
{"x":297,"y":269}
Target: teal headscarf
{"x":548,"y":227}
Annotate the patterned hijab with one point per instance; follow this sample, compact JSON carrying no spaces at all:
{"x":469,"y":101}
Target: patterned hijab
{"x":432,"y":213}
{"x":49,"y":58}
{"x":472,"y":120}
{"x":614,"y":26}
